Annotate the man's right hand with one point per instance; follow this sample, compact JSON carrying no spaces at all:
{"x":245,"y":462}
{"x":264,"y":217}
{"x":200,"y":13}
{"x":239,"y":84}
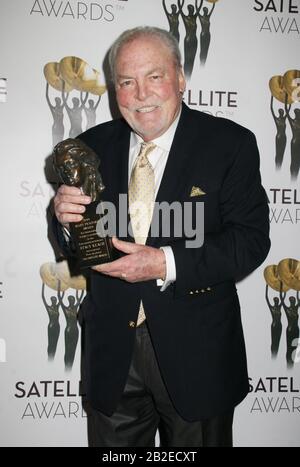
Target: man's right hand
{"x":69,"y":204}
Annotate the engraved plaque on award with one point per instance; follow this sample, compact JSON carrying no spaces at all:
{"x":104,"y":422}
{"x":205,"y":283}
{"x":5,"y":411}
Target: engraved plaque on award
{"x":78,"y":165}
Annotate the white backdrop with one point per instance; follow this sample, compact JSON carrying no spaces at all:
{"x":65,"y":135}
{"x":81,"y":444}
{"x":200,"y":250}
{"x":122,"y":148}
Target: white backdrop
{"x":250,"y":43}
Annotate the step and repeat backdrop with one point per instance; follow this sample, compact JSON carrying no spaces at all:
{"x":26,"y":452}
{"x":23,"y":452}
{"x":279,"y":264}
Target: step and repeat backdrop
{"x":242,"y":62}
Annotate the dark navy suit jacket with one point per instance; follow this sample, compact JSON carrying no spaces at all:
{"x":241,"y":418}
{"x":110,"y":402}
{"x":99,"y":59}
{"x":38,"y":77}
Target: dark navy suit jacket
{"x":195,"y":324}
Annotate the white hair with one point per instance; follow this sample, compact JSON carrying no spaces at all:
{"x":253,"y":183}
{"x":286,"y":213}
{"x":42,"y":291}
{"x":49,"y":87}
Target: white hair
{"x":144,"y":31}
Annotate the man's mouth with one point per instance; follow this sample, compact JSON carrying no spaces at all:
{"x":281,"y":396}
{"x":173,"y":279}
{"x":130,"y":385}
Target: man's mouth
{"x":147,"y":109}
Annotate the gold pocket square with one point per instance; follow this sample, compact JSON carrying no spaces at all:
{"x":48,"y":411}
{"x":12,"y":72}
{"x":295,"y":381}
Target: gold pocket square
{"x":196,"y":191}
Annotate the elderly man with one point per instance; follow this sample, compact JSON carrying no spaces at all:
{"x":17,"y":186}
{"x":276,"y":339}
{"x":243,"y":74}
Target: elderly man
{"x":163,"y":344}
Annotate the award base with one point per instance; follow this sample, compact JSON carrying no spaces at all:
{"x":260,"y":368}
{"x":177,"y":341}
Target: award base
{"x":91,"y":245}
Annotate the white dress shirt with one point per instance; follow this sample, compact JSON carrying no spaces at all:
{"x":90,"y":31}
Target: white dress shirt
{"x":158,"y":158}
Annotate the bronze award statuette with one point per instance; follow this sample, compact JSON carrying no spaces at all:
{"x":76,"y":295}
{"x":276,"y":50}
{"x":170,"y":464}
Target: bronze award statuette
{"x":78,"y":165}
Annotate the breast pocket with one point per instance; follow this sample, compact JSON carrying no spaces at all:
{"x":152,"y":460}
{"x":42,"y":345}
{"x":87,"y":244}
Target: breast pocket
{"x":203,"y":211}
{"x":206,"y":197}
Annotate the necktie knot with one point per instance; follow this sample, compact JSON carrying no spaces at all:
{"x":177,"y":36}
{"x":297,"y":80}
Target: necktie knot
{"x":145,"y":150}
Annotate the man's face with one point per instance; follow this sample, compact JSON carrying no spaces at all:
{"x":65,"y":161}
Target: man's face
{"x":148,"y":86}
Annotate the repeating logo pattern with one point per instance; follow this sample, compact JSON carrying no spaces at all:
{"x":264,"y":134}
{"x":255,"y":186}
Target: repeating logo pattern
{"x":278,"y":16}
{"x":284,"y":278}
{"x":286,"y":90}
{"x":56,"y":276}
{"x":72,"y":75}
{"x":192,"y":15}
{"x":77,"y":10}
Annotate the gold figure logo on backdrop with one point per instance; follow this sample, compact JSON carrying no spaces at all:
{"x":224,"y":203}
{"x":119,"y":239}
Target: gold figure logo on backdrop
{"x":72,"y":74}
{"x":195,"y":11}
{"x":284,"y":278}
{"x":56,"y":276}
{"x":286,"y":90}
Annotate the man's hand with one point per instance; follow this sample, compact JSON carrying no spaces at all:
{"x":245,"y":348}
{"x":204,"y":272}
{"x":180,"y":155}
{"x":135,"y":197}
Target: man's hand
{"x":142,"y":263}
{"x":69,"y":204}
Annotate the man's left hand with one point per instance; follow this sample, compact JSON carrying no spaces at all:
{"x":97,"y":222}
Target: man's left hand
{"x":142,"y":263}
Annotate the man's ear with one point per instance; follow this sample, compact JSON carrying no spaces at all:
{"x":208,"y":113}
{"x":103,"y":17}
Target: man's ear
{"x":182,"y":81}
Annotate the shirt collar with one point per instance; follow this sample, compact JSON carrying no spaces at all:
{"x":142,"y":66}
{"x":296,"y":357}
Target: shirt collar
{"x":164,"y":141}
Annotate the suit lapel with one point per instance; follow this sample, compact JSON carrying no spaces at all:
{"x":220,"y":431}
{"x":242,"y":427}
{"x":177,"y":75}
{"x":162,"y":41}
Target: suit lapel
{"x":122,"y":160}
{"x":121,"y":154}
{"x":177,"y":170}
{"x":177,"y":162}
{"x":116,"y":171}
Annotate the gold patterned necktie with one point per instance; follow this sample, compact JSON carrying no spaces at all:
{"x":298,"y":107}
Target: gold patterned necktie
{"x":141,"y":201}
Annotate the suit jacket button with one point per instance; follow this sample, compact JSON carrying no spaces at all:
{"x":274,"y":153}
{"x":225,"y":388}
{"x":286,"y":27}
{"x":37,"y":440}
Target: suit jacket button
{"x":191,"y":292}
{"x":131,"y":324}
{"x":202,"y":291}
{"x":197,"y":291}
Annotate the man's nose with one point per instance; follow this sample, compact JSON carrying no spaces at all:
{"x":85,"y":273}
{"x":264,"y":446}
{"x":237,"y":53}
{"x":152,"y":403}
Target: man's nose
{"x":141,"y":91}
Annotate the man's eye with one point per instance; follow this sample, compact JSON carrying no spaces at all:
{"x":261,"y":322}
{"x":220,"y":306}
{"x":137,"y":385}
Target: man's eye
{"x":126,"y":83}
{"x":155,"y":77}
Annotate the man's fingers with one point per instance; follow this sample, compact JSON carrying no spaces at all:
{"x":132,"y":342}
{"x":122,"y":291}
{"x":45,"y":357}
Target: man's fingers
{"x":117,"y":267}
{"x":114,"y":267}
{"x":69,"y":190}
{"x":115,"y":274}
{"x":82,"y":199}
{"x":69,"y":204}
{"x":126,"y":247}
{"x":69,"y":208}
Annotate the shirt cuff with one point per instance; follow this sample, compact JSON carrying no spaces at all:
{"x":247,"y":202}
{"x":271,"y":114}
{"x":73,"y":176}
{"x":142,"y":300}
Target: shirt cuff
{"x":170,"y":269}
